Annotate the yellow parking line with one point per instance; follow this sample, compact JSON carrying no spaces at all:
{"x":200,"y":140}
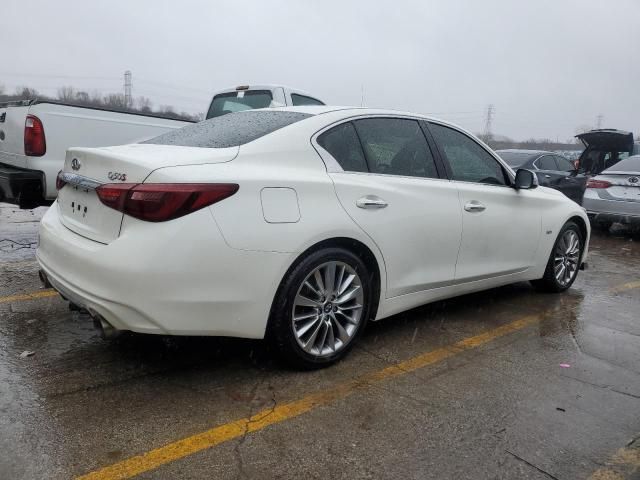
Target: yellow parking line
{"x":624,"y":287}
{"x":623,"y":464}
{"x":49,"y":292}
{"x":223,"y":433}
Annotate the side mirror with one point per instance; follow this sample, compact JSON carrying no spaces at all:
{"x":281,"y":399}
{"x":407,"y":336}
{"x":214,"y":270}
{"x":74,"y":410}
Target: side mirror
{"x":525,"y":179}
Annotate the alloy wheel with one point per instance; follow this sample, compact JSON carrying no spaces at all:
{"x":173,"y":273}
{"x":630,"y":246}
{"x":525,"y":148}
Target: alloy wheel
{"x":327,"y":309}
{"x":566,"y":257}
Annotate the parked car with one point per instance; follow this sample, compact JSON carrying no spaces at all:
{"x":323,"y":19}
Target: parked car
{"x":298,"y":224}
{"x":34,"y":135}
{"x":552,"y":170}
{"x":604,"y":148}
{"x":614,"y":195}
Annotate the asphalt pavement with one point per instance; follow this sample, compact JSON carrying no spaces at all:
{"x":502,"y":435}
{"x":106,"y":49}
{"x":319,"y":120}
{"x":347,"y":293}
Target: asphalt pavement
{"x":504,"y":384}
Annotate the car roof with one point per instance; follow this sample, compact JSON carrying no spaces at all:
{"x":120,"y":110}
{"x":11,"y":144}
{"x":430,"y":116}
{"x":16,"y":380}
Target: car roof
{"x":349,"y":111}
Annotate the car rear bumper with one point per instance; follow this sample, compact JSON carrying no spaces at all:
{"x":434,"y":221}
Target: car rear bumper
{"x":20,"y":186}
{"x":176,"y":277}
{"x":611,"y":210}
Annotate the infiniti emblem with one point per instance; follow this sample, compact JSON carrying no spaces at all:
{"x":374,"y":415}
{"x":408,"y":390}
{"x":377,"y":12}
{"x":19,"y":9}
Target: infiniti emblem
{"x":75,"y":164}
{"x":634,"y":179}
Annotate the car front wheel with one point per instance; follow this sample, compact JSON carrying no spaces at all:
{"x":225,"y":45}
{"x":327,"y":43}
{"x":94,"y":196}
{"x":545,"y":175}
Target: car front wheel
{"x":564,"y":261}
{"x":321,"y":308}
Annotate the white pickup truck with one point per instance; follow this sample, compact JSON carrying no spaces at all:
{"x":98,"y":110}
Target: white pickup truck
{"x":35,"y":135}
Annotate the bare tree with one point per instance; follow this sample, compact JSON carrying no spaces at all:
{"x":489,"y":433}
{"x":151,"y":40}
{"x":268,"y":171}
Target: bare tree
{"x":143,"y":104}
{"x":66,"y":94}
{"x":114,"y":100}
{"x":26,"y":92}
{"x":82,"y":97}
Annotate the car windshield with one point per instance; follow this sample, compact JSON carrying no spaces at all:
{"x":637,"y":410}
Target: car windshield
{"x":514,"y":159}
{"x":230,"y":102}
{"x":229,"y":130}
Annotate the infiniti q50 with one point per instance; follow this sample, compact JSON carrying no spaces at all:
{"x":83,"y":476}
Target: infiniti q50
{"x":298,"y":225}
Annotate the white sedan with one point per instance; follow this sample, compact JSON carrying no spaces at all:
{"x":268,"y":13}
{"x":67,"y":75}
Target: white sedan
{"x":299,"y":225}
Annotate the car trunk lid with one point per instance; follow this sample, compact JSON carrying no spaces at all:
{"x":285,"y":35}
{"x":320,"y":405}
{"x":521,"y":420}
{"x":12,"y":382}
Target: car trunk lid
{"x":607,"y":139}
{"x":85,"y":169}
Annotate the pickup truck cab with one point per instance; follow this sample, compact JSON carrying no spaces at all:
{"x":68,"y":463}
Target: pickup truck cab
{"x":247,"y":97}
{"x":35,"y":135}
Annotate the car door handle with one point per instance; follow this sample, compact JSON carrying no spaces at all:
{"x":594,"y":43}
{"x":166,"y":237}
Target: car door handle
{"x":547,"y":176}
{"x":371,"y":201}
{"x":474,"y":206}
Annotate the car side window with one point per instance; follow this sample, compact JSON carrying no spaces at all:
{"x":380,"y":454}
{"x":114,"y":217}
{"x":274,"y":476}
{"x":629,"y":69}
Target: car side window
{"x":469,"y":161}
{"x":396,"y":146}
{"x":564,"y":165}
{"x":546,"y":162}
{"x":299,"y":100}
{"x":343,"y":145}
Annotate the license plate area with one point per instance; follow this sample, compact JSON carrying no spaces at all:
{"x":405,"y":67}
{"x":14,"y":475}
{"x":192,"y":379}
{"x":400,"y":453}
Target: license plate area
{"x":82,"y":212}
{"x":625,"y":193}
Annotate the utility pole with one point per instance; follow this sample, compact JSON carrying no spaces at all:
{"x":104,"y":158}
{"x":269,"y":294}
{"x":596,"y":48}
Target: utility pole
{"x":488,"y":121}
{"x":128,"y":101}
{"x":599,"y":121}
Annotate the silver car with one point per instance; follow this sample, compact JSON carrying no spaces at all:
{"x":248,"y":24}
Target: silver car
{"x":614,"y":194}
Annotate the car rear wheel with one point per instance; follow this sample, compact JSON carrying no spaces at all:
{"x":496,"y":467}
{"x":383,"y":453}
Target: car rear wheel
{"x":564,"y":260}
{"x":321,"y":308}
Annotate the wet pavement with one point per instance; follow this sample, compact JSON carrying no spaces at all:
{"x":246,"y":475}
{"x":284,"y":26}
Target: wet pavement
{"x":503,"y":384}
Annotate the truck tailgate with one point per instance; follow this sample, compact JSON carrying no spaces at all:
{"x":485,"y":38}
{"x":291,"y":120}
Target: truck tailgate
{"x":12,"y":120}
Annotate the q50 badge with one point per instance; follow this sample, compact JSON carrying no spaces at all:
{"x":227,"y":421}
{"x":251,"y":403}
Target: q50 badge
{"x":117,"y":176}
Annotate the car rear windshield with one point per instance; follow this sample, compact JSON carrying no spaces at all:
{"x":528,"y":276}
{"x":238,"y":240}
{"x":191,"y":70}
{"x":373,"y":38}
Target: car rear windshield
{"x":231,"y":102}
{"x":629,"y":164}
{"x":514,"y":159}
{"x":229,"y":130}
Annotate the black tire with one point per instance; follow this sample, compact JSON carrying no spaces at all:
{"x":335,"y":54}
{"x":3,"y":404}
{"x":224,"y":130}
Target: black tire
{"x":280,"y":331}
{"x":549,"y":282}
{"x":603,"y":225}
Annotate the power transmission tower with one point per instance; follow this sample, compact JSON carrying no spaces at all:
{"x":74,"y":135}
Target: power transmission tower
{"x":599,"y":121}
{"x":487,"y":125}
{"x":128,"y":101}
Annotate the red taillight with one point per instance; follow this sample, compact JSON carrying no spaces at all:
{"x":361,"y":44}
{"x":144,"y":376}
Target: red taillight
{"x":591,"y":183}
{"x":60,"y":181}
{"x":158,"y":202}
{"x":34,"y":141}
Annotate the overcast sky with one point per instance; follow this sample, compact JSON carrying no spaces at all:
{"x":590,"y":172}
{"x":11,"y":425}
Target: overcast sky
{"x":548,"y":66}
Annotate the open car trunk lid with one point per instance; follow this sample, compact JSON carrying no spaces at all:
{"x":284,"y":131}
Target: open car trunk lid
{"x":603,"y":149}
{"x":608,"y":139}
{"x":85,"y":169}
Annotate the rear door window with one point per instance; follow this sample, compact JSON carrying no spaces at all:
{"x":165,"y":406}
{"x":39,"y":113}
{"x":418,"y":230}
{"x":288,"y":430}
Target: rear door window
{"x":299,"y":100}
{"x":396,"y":146}
{"x":343,"y":145}
{"x":468,"y":160}
{"x":564,"y":165}
{"x":546,"y":162}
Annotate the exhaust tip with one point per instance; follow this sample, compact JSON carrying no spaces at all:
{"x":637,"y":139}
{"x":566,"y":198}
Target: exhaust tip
{"x":107,"y":331}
